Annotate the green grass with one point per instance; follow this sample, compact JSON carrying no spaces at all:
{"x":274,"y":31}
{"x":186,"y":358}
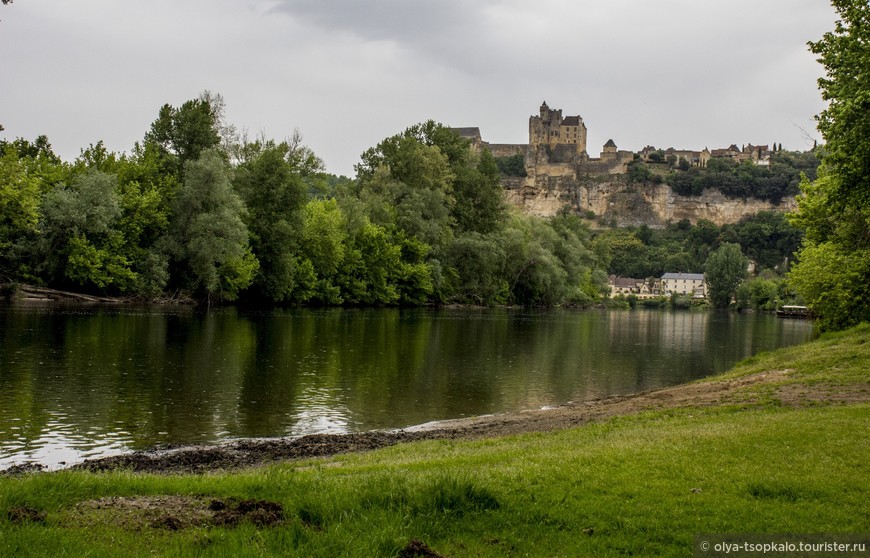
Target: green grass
{"x":638,"y":485}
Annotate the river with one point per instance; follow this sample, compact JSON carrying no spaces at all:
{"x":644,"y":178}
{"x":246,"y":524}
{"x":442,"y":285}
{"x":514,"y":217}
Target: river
{"x":82,"y":382}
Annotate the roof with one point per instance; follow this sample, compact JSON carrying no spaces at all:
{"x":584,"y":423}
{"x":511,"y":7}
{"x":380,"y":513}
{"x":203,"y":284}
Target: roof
{"x":571,"y":121}
{"x":467,"y":132}
{"x":686,"y":276}
{"x":610,"y":143}
{"x":625,"y":282}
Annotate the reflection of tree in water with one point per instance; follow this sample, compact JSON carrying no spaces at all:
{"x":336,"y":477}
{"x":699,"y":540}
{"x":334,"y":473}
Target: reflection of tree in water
{"x":141,"y":378}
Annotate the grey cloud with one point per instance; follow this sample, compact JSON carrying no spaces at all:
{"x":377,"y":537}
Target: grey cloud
{"x":403,"y":21}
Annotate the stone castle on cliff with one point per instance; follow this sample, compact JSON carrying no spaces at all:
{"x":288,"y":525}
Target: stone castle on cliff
{"x":560,"y":173}
{"x":554,"y":138}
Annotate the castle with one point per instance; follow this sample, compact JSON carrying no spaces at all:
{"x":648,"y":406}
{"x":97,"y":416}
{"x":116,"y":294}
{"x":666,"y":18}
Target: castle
{"x":560,"y":174}
{"x":558,"y":139}
{"x":551,"y":129}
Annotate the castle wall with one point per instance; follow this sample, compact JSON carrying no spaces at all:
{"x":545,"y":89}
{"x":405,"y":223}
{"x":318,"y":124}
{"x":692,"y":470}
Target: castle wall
{"x":507,"y":149}
{"x":610,"y":162}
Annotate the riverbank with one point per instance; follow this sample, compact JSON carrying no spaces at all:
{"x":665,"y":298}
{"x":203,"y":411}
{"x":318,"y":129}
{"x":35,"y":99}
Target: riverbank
{"x":776,"y":445}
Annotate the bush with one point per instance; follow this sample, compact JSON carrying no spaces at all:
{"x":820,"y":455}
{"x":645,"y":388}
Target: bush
{"x":514,"y":165}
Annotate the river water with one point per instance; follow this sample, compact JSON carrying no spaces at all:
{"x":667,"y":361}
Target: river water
{"x":82,"y":382}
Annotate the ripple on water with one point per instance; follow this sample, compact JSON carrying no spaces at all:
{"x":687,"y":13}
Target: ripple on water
{"x":59,"y":446}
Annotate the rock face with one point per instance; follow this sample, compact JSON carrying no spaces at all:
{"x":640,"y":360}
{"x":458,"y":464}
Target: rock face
{"x":549,"y":188}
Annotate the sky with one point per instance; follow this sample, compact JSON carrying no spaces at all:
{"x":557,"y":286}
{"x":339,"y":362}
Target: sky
{"x":346,"y":74}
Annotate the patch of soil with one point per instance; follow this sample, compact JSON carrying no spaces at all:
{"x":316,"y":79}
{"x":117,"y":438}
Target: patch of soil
{"x":261,"y":513}
{"x":246,"y":453}
{"x":417,"y":548}
{"x":174,"y":513}
{"x":23,"y":514}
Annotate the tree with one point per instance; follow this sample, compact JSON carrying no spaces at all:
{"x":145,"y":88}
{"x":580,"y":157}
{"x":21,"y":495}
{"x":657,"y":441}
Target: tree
{"x":478,"y":261}
{"x":478,"y":193}
{"x":845,"y":123}
{"x":535,"y":276}
{"x":79,"y":241}
{"x":407,"y":182}
{"x":19,"y":206}
{"x":724,"y":271}
{"x":833,"y":281}
{"x":183,"y":133}
{"x":832,"y":273}
{"x":210,"y":239}
{"x":271,"y":185}
{"x":323,"y":245}
{"x":767,"y":238}
{"x":371,"y":260}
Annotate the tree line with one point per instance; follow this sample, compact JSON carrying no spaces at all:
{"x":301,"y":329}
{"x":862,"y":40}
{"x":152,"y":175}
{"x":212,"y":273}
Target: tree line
{"x":196,"y":210}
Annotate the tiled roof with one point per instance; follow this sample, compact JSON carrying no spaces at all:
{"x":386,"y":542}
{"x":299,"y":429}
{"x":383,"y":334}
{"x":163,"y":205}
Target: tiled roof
{"x":686,"y":276}
{"x":625,"y":282}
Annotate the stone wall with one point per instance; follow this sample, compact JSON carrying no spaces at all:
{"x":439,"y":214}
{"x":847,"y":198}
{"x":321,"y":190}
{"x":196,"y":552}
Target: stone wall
{"x":507,"y":149}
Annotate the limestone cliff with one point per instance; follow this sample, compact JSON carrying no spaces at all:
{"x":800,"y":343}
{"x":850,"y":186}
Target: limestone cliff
{"x":551,"y":187}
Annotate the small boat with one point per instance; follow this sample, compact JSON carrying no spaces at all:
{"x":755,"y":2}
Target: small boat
{"x":791,"y":311}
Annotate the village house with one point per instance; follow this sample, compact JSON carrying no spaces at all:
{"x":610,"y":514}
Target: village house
{"x":623,"y":285}
{"x":641,"y":288}
{"x":692,"y":284}
{"x":684,"y":284}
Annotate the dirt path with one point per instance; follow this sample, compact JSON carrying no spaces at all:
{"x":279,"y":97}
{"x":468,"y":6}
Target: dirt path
{"x":247,"y":453}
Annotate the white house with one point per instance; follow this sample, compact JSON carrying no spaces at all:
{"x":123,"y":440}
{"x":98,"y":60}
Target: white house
{"x":684,"y":283}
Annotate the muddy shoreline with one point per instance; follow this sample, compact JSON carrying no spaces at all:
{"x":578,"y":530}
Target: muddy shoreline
{"x":257,"y":452}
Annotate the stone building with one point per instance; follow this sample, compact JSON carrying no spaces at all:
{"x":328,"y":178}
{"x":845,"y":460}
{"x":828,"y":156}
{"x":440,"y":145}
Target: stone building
{"x":551,"y":129}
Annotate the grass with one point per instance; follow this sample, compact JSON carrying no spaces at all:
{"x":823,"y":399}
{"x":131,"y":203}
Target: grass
{"x":639,"y":485}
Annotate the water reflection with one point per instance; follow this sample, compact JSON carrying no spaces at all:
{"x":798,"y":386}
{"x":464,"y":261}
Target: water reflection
{"x":80,"y":383}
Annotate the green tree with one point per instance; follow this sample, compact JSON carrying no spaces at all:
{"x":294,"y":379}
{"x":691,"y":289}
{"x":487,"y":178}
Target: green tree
{"x":478,"y":261}
{"x":622,"y":253}
{"x":479,"y":197}
{"x":183,"y":133}
{"x":845,"y":123}
{"x":19,"y":207}
{"x":767,"y":238}
{"x":534,"y":274}
{"x":209,"y":237}
{"x":514,"y":165}
{"x":411,"y":189}
{"x":371,"y":261}
{"x":323,"y":238}
{"x":80,"y":243}
{"x":272,"y":186}
{"x":833,"y":273}
{"x":724,"y":271}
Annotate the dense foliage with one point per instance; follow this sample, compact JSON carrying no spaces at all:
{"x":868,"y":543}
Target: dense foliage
{"x":515,"y":165}
{"x":724,"y":271}
{"x":748,"y":180}
{"x":766,"y":238}
{"x":833,"y":271}
{"x":196,"y":211}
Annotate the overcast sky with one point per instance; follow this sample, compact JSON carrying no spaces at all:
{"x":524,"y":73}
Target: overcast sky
{"x":346,"y":74}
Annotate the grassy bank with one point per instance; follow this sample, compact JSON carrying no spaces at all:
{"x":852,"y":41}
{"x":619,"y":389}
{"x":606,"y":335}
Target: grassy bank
{"x":787,"y":455}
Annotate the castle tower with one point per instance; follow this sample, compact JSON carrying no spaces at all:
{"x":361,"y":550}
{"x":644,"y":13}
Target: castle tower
{"x":609,"y":151}
{"x":551,"y":129}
